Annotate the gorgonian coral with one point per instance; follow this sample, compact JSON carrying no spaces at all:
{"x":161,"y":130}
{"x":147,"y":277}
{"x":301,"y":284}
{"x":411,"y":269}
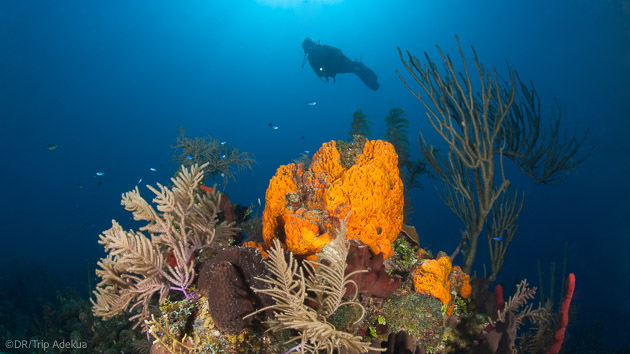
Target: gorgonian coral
{"x":161,"y":255}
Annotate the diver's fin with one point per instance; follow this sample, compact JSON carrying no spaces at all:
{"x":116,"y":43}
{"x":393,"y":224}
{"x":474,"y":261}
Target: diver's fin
{"x":304,"y":60}
{"x":366,"y":75}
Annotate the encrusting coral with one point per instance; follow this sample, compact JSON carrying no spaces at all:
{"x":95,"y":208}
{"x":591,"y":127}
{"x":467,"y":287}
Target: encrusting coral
{"x":137,"y":266}
{"x":303,"y":206}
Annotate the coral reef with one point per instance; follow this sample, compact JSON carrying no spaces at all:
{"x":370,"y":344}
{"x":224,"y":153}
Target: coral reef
{"x":136,"y":267}
{"x":335,"y":270}
{"x":302,"y":206}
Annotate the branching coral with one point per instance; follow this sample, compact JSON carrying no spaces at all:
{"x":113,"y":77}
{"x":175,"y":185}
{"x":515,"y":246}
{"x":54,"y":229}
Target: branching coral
{"x":520,"y":298}
{"x":289,"y":287}
{"x":136,"y":267}
{"x":302,"y":206}
{"x":483,"y":120}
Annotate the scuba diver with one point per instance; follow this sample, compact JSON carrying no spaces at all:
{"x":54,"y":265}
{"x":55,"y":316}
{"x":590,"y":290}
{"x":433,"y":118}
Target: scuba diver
{"x":328,"y":61}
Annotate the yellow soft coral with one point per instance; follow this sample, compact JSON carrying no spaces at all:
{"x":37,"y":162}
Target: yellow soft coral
{"x":370,"y":190}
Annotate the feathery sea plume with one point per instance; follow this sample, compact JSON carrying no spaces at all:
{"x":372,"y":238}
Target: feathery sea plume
{"x":140,"y":265}
{"x":289,"y":286}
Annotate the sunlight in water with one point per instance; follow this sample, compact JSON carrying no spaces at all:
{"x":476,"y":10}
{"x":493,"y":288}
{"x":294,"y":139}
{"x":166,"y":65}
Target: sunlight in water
{"x":294,"y":3}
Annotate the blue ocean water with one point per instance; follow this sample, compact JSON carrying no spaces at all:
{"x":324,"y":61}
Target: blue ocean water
{"x":110,"y":82}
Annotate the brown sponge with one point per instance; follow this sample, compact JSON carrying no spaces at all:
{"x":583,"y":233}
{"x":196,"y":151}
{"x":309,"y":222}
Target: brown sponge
{"x":226,"y":281}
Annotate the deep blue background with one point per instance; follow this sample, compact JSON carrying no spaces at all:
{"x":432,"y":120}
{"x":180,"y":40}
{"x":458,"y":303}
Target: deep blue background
{"x":109,"y":82}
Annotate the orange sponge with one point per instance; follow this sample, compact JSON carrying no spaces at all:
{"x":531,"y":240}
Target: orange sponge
{"x":370,"y":190}
{"x":430,"y":277}
{"x":438,"y":278}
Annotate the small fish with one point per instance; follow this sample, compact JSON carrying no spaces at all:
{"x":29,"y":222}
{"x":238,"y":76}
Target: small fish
{"x":140,"y":180}
{"x":222,"y":156}
{"x":497,"y":238}
{"x":259,"y":204}
{"x":274,"y":127}
{"x":224,"y":142}
{"x":311,"y":103}
{"x":189,"y":157}
{"x":100,"y":173}
{"x":152,"y":169}
{"x":222,"y":174}
{"x":206,"y":188}
{"x":307,"y":151}
{"x":51,"y":147}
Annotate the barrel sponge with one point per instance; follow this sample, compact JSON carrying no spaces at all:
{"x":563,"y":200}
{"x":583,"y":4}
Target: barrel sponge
{"x":368,"y":194}
{"x":281,"y":184}
{"x":373,"y":191}
{"x":325,"y":168}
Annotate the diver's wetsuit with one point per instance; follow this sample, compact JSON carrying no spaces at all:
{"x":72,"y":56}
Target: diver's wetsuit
{"x":328,"y":61}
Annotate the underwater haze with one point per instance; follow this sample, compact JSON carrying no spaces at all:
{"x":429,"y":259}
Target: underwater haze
{"x":93,"y":94}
